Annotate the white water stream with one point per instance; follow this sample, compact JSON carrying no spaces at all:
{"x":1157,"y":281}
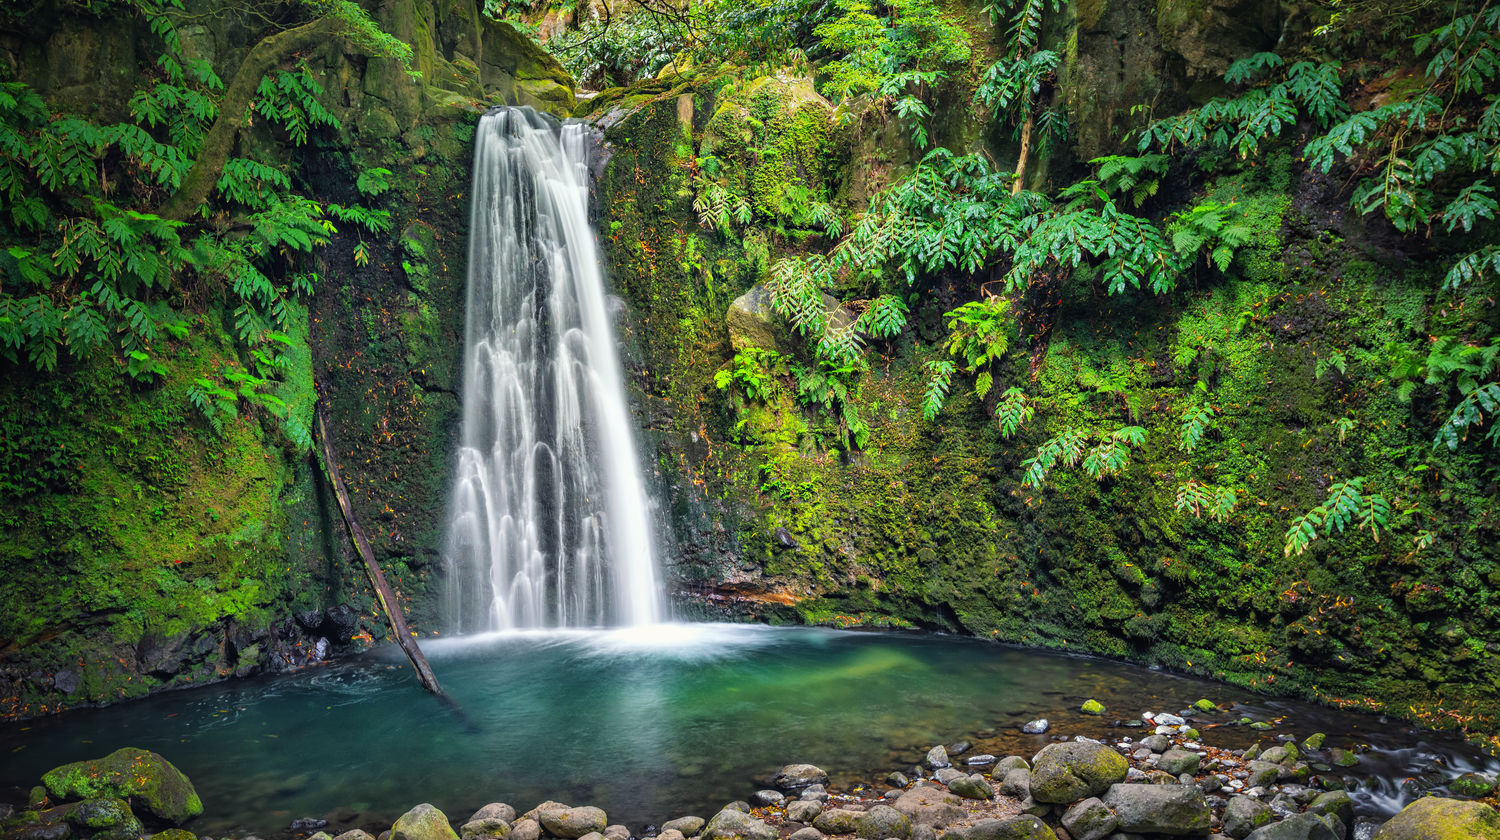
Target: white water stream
{"x":550,"y":524}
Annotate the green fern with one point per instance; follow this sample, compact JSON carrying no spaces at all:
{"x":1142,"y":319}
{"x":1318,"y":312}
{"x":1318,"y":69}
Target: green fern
{"x":1347,"y":503}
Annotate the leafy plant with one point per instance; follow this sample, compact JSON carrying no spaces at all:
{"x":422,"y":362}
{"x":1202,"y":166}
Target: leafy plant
{"x":1347,"y":502}
{"x":1205,"y":500}
{"x":753,"y":370}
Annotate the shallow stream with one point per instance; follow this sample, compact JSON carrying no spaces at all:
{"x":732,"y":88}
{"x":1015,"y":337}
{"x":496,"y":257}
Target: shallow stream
{"x":653,"y":723}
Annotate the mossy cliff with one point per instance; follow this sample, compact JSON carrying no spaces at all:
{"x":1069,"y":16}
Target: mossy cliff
{"x":779,"y":515}
{"x":141,"y":550}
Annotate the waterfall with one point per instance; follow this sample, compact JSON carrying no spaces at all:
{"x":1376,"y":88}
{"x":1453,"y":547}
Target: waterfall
{"x":549,"y":520}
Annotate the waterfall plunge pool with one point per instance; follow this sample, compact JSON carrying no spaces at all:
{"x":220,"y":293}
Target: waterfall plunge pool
{"x":651,"y":723}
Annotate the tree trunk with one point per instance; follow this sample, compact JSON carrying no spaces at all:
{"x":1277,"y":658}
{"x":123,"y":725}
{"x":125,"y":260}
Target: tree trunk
{"x":383,"y":590}
{"x":1020,"y":182}
{"x":234,"y":108}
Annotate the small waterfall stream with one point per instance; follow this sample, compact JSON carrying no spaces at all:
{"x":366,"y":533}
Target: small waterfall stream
{"x":549,"y":520}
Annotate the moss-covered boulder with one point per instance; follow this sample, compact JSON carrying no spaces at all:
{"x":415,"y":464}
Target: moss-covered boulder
{"x":1437,"y":818}
{"x":146,"y":779}
{"x":1063,"y":773}
{"x":1092,"y":707}
{"x":105,"y":818}
{"x":423,"y":822}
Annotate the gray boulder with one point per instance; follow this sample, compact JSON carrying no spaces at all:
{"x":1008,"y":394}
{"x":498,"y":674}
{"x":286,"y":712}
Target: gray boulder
{"x":525,"y":829}
{"x":1300,"y":827}
{"x":1156,"y":743}
{"x":487,"y":827}
{"x":616,"y":832}
{"x":1336,"y":803}
{"x":687,"y":825}
{"x":946,"y":775}
{"x":765,"y":798}
{"x":837,"y":820}
{"x":1178,"y":810}
{"x":1089,"y":820}
{"x":1016,"y":783}
{"x":495,"y":811}
{"x":1063,"y":773}
{"x":573,"y":822}
{"x":423,"y":822}
{"x":670,"y":834}
{"x":737,"y":825}
{"x":1177,"y":762}
{"x":806,"y":833}
{"x":1008,"y":763}
{"x":1262,"y":773}
{"x":798,"y":776}
{"x":1036,"y":727}
{"x":803,"y":811}
{"x":1023,"y":827}
{"x":1243,"y":815}
{"x":930,"y":806}
{"x":972,"y":787}
{"x":882,"y":822}
{"x":936,"y":757}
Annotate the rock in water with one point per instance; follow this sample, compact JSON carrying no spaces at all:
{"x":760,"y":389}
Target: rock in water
{"x":734,"y":825}
{"x":149,"y":781}
{"x":798,"y":776}
{"x":1439,"y":818}
{"x":423,"y":822}
{"x":1090,"y":820}
{"x":1472,"y":784}
{"x":1178,"y":810}
{"x":572,"y":822}
{"x":937,"y":758}
{"x":1092,"y":707}
{"x":1036,"y":727}
{"x":1300,"y":827}
{"x":104,"y":819}
{"x":1063,"y":773}
{"x":765,"y":798}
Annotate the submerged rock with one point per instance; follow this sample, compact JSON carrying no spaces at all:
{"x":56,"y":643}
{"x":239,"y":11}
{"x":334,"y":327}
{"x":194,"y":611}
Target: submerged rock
{"x":1036,"y":727}
{"x":423,"y":822}
{"x":1438,"y":818}
{"x":1063,"y":773}
{"x":144,"y":778}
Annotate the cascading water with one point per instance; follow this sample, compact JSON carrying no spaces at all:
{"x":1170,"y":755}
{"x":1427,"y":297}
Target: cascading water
{"x":550,"y":522}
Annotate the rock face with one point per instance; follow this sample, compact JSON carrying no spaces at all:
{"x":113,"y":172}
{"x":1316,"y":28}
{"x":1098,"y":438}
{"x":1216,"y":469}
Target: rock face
{"x":1177,"y":810}
{"x":1063,"y":773}
{"x":147,"y":780}
{"x":423,"y":822}
{"x":1437,"y":818}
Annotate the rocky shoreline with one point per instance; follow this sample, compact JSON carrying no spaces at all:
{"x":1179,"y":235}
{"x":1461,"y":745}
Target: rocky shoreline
{"x":1160,"y":780}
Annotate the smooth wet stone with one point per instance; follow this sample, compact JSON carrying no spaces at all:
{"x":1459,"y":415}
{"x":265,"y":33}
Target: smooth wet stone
{"x":767,"y":798}
{"x":931,"y":806}
{"x":1168,"y":719}
{"x":813,"y":793}
{"x":1342,"y":757}
{"x":882,"y":822}
{"x":1023,"y":827}
{"x":423,"y":822}
{"x":980,"y":760}
{"x":304,"y":825}
{"x":1068,"y":772}
{"x":1156,"y":743}
{"x":1314,"y":742}
{"x":1440,"y":818}
{"x":1337,"y":803}
{"x":574,"y":822}
{"x":1016,"y":783}
{"x":1243,"y":815}
{"x":549,"y":805}
{"x":1299,"y":827}
{"x":946,"y":775}
{"x":1092,"y":707}
{"x":1036,"y":727}
{"x":795,"y":777}
{"x":806,"y":833}
{"x":837,"y":821}
{"x":1276,"y":755}
{"x":1178,"y":761}
{"x":1010,"y":762}
{"x":495,"y":811}
{"x":488,"y":827}
{"x":936,"y":758}
{"x":593,"y":835}
{"x":737,"y":825}
{"x":803,"y":811}
{"x":897,"y":779}
{"x":1089,"y":820}
{"x":1177,"y":810}
{"x":972,"y":787}
{"x":145,"y":779}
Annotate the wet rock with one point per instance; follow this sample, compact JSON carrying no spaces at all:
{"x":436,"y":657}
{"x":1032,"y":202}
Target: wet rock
{"x":806,"y":833}
{"x":1023,"y":827}
{"x":980,"y":760}
{"x":423,"y":822}
{"x":1162,"y":809}
{"x":1177,"y":762}
{"x":495,"y":811}
{"x":1016,"y":783}
{"x":1440,"y":818}
{"x":972,"y":787}
{"x":304,"y":825}
{"x":1336,"y":803}
{"x":897,"y":779}
{"x":148,"y":781}
{"x":1063,"y":773}
{"x":1277,"y":755}
{"x":593,"y":835}
{"x":936,"y":758}
{"x":1168,"y":719}
{"x":813,"y":793}
{"x":1343,"y":758}
{"x":1010,"y":762}
{"x":1261,"y":773}
{"x":1036,"y":727}
{"x":1092,"y":707}
{"x":802,"y":811}
{"x":573,"y":822}
{"x":525,"y":829}
{"x":1472,"y":784}
{"x":796,"y":777}
{"x":946,"y":775}
{"x":1205,"y":705}
{"x":1089,"y":820}
{"x":489,"y":827}
{"x":67,"y":681}
{"x":351,"y":834}
{"x":837,"y":820}
{"x":53,"y":831}
{"x":1300,"y":827}
{"x":882,"y":822}
{"x":959,"y":748}
{"x":735,"y":825}
{"x":764,"y":798}
{"x":689,"y":826}
{"x":930,"y":806}
{"x":1314,"y":742}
